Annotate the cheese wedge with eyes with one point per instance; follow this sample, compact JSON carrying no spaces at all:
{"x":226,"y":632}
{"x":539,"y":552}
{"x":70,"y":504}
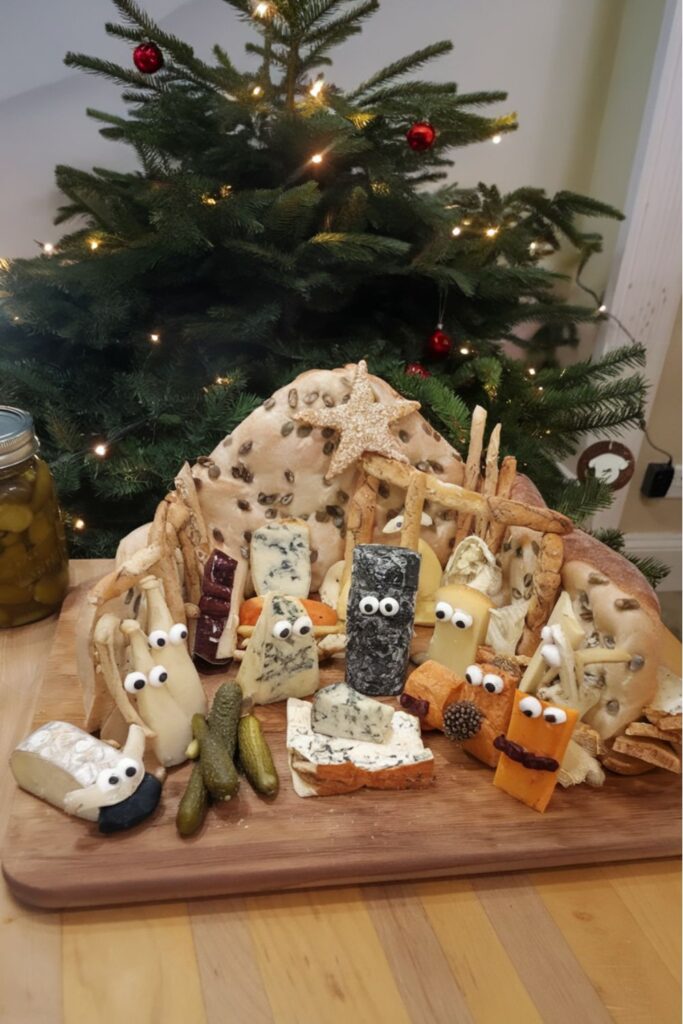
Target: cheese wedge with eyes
{"x":281,"y":658}
{"x":462,"y":618}
{"x":183,"y":684}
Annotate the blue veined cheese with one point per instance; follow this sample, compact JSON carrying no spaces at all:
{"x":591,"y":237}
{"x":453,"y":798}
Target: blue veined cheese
{"x":339,"y":710}
{"x":281,"y":659}
{"x":281,"y":559}
{"x":326,"y":765}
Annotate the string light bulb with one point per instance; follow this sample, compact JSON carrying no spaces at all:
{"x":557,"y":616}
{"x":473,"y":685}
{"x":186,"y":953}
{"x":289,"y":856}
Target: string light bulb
{"x":48,"y":248}
{"x":491,"y":232}
{"x":155,"y":338}
{"x":531,"y":371}
{"x":79,"y":524}
{"x":256,"y":91}
{"x":495,"y":139}
{"x":456,"y":231}
{"x":602,"y":308}
{"x":317,"y":158}
{"x":317,"y":87}
{"x":532,"y":247}
{"x":464,"y":351}
{"x":94,"y":244}
{"x":100,"y":450}
{"x":467,"y":222}
{"x":262,"y":10}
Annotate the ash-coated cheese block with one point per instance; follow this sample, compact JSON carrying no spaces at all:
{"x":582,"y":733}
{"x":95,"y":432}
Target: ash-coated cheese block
{"x":327,"y":765}
{"x":281,"y":658}
{"x":380,"y":617}
{"x":339,"y":710}
{"x":281,"y":559}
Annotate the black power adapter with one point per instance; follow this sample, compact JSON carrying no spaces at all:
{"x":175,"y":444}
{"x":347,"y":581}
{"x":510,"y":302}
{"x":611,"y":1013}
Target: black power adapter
{"x":657,"y":479}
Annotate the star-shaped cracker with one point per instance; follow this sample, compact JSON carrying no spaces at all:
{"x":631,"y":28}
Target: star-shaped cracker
{"x":362,"y":422}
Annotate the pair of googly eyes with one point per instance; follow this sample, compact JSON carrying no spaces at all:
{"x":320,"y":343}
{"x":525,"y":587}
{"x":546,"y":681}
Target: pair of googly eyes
{"x":532,"y":708}
{"x":110,"y":778}
{"x":444,"y":612}
{"x":176,"y":635}
{"x":284,"y":629}
{"x":370,"y":605}
{"x":136,"y":681}
{"x":489,"y":681}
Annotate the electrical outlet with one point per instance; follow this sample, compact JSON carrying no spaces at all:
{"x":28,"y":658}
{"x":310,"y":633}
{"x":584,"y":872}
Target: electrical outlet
{"x":675,"y":487}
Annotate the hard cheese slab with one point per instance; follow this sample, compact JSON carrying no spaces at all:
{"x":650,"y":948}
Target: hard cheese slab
{"x":462,"y":825}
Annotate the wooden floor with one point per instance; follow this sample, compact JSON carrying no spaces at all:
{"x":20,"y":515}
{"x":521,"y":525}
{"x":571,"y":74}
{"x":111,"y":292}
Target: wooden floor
{"x":581,"y":945}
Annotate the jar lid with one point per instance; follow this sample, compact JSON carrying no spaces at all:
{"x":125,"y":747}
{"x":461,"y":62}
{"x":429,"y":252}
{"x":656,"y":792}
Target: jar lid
{"x":18,"y":440}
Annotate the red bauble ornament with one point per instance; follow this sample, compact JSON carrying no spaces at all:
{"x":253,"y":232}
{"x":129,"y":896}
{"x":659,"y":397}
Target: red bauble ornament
{"x":417,"y":370}
{"x":148,"y":58}
{"x":439,"y":344}
{"x":421,"y":136}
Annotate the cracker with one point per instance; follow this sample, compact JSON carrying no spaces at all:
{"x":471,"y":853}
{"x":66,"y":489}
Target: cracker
{"x":653,"y":752}
{"x":649,"y":731}
{"x":622,"y":764}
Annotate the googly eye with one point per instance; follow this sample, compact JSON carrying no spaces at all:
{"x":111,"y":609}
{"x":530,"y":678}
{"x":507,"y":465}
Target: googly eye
{"x":157,"y":638}
{"x":493,"y":683}
{"x":555,"y":716}
{"x":531,"y":707}
{"x":368,"y":604}
{"x":134,"y":682}
{"x":551,"y":655}
{"x":158,"y":676}
{"x":399,"y":522}
{"x":547,"y":635}
{"x":128,"y":767}
{"x":107,"y":780}
{"x":443,"y":611}
{"x":282,"y":629}
{"x":388,"y":606}
{"x":461,"y":619}
{"x":474,"y":675}
{"x":303,"y":626}
{"x":177,"y":634}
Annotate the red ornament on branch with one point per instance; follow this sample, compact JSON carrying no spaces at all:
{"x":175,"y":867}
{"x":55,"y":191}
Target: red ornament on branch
{"x":417,"y":370}
{"x":421,"y":136}
{"x":439,"y":344}
{"x":148,"y":58}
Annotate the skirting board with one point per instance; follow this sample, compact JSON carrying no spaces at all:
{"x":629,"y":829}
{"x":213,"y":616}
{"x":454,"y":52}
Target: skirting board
{"x":666,"y":547}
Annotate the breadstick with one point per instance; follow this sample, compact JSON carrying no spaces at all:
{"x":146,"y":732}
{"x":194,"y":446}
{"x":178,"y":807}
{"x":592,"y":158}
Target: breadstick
{"x":472,"y":468}
{"x":546,"y":585}
{"x":360,"y":520}
{"x":490,"y":477}
{"x":506,"y":478}
{"x":412,"y":514}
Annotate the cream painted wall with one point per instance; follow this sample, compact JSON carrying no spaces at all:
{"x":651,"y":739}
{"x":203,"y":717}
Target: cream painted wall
{"x":661,"y":515}
{"x":555,"y":58}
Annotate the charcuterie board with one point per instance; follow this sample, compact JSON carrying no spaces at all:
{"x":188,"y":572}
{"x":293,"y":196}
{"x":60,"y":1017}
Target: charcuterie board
{"x":463,"y":825}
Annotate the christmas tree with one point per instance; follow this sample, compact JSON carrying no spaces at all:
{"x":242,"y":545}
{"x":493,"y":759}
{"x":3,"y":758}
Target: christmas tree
{"x":277,"y":223}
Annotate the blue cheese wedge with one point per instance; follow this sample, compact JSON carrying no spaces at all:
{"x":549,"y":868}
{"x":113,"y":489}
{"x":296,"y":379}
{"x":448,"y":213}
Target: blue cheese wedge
{"x":339,"y":710}
{"x":327,"y":765}
{"x":281,"y":559}
{"x":281,"y":659}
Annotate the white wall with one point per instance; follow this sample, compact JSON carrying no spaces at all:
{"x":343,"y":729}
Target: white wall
{"x":555,"y":58}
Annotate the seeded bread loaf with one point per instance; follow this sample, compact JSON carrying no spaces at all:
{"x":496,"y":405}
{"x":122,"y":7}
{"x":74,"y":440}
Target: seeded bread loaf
{"x":272,"y":467}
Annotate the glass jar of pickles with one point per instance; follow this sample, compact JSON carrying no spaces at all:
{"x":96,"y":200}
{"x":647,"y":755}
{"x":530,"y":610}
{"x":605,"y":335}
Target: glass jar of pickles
{"x":34,"y":567}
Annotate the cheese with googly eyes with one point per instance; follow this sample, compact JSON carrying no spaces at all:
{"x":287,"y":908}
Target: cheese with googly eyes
{"x":452,"y":645}
{"x":339,"y":710}
{"x":281,"y":659}
{"x":379,"y":618}
{"x":281,"y":559}
{"x":326,"y":765}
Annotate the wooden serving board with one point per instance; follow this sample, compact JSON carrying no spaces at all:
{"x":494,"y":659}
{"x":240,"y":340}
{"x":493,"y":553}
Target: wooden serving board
{"x":463,"y":825}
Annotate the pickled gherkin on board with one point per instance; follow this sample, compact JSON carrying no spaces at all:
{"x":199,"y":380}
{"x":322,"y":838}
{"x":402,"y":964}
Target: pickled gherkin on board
{"x":193,"y":804}
{"x":255,"y":756}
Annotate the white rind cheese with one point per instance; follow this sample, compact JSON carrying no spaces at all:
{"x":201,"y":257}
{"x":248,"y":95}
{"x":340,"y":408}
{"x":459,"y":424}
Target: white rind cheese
{"x":339,"y":710}
{"x":281,"y":559}
{"x":308,"y":750}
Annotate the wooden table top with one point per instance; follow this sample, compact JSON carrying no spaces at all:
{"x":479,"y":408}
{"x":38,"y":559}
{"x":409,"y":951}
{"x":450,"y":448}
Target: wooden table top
{"x":561,"y":945}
